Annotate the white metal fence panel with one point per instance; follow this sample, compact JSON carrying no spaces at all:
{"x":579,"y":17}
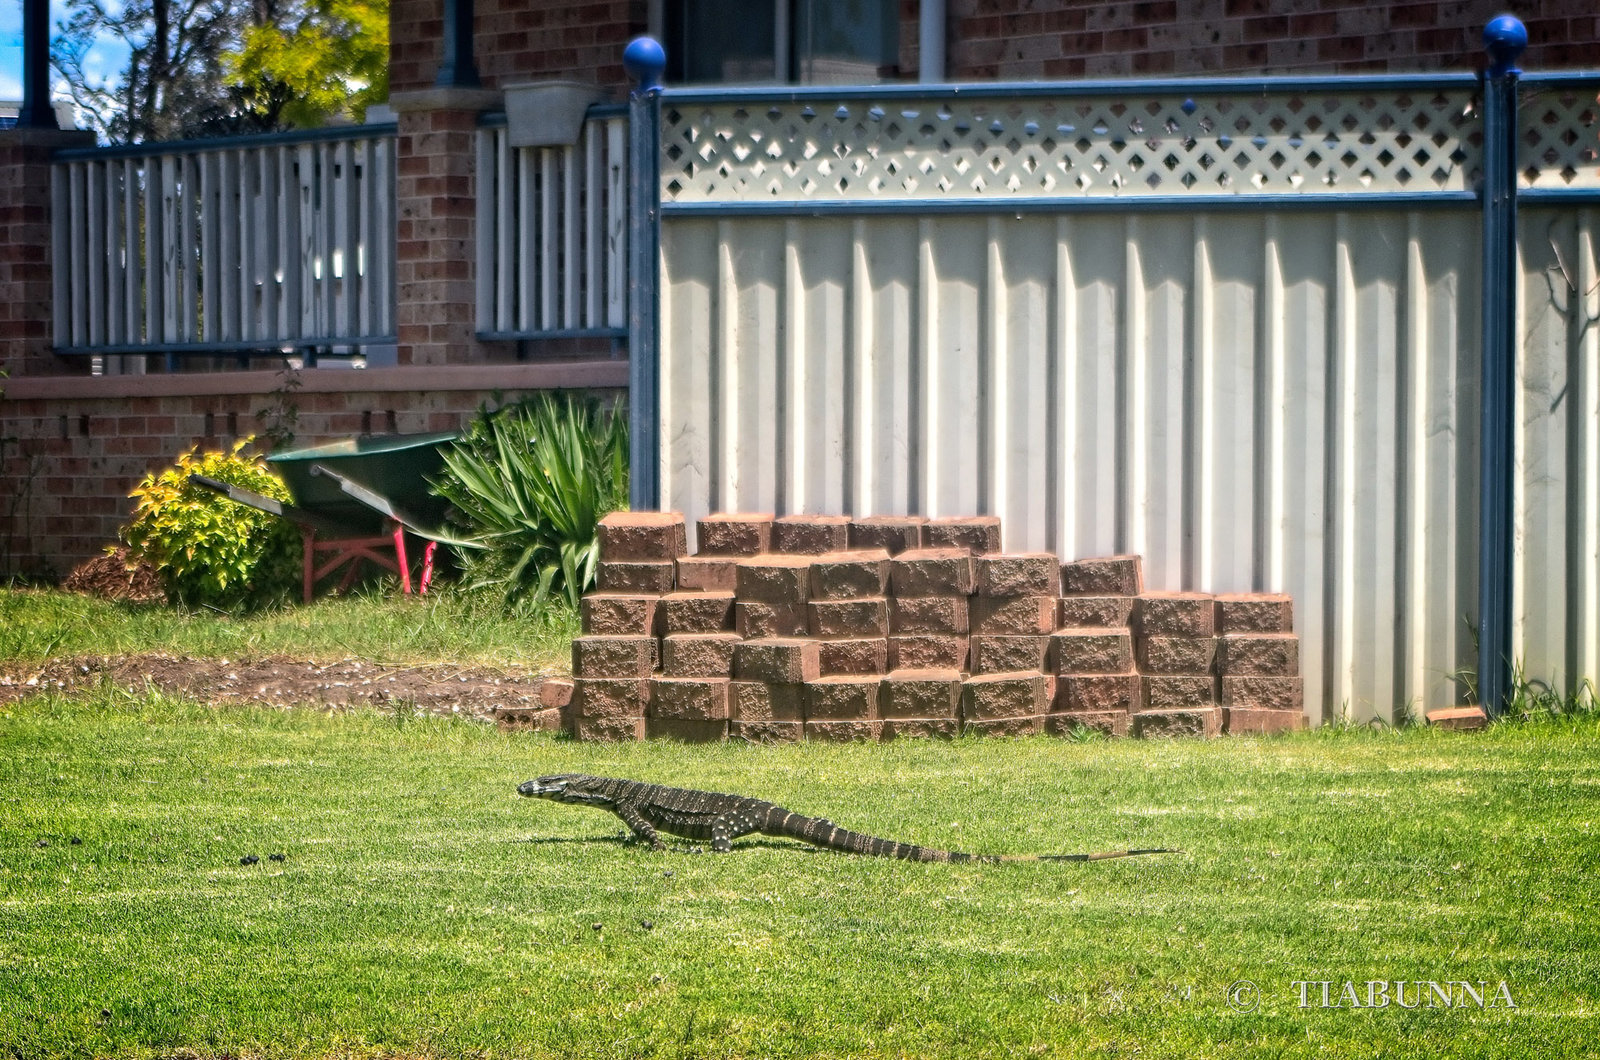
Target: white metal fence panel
{"x":552,"y":234}
{"x":1251,"y":401}
{"x":221,"y":246}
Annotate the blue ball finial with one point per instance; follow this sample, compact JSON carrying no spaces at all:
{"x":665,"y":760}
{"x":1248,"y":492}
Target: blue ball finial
{"x":1504,"y":38}
{"x":644,"y":60}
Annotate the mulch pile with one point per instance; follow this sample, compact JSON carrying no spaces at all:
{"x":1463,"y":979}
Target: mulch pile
{"x":113,"y":576}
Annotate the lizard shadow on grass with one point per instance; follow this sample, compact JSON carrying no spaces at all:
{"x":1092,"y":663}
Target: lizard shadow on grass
{"x":617,"y":840}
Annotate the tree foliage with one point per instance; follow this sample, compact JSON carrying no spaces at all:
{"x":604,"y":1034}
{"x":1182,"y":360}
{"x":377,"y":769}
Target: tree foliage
{"x":332,"y":56}
{"x":222,"y":67}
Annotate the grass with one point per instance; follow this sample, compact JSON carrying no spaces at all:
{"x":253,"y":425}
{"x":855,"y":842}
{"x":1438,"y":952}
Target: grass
{"x":425,"y":910}
{"x":37,"y":624}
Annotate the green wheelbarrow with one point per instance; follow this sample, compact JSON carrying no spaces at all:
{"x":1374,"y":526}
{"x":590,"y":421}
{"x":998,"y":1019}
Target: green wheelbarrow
{"x":356,"y":499}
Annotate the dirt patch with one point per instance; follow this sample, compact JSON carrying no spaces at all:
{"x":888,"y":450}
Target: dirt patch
{"x":113,"y":576}
{"x":278,"y":681}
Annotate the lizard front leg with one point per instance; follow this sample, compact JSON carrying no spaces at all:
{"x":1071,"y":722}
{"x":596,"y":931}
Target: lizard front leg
{"x":641,"y":827}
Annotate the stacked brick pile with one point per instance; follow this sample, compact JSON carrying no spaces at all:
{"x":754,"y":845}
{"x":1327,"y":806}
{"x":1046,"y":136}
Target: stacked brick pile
{"x":840,"y":629}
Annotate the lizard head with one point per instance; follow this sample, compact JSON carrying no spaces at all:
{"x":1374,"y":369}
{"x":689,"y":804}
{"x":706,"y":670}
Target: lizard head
{"x":567,"y":787}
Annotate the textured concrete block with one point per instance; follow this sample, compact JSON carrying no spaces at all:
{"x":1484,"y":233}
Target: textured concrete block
{"x":1264,"y":693}
{"x":1255,"y":613}
{"x":1098,"y":693}
{"x":758,"y":701}
{"x":1096,"y":612}
{"x":988,"y":697}
{"x":1256,"y":721}
{"x":1176,"y":615}
{"x":1091,"y":651}
{"x":920,"y":728}
{"x":689,"y":698}
{"x":1177,"y":655}
{"x":1462,"y":719}
{"x":1007,"y":653}
{"x":1005,"y":726}
{"x":842,"y":698}
{"x":698,"y":654}
{"x":1202,"y":722}
{"x":1018,"y":574}
{"x":608,"y":730}
{"x":686,"y":730}
{"x":848,"y":618}
{"x":1031,"y":615}
{"x":1174,"y":693}
{"x":695,"y":611}
{"x":811,"y":535}
{"x":610,"y":697}
{"x":1106,"y":576}
{"x":600,"y":656}
{"x":528,"y":719}
{"x":776,"y":660}
{"x":618,"y":614}
{"x":734,"y":534}
{"x":931,"y":572}
{"x":637,"y":576}
{"x":1260,"y":654}
{"x":708,"y":573}
{"x":928,"y":614}
{"x":920,"y":694}
{"x":853,"y":655}
{"x":835,"y":731}
{"x":555,"y":692}
{"x":767,"y":732}
{"x":978,"y":534}
{"x":927,"y":651}
{"x":850,"y":575}
{"x":892,"y":533}
{"x":753,"y":619}
{"x":1105,"y":722}
{"x":772,"y":578}
{"x":642,"y":536}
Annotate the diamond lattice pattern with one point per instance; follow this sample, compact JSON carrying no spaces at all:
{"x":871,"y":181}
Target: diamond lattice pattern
{"x":1350,"y":142}
{"x":1560,"y":140}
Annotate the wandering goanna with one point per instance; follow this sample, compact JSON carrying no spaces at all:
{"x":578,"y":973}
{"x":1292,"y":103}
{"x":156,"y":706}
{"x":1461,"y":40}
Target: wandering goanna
{"x":649,"y":809}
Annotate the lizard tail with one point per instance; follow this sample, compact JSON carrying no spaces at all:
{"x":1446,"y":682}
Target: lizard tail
{"x":1104,"y":855}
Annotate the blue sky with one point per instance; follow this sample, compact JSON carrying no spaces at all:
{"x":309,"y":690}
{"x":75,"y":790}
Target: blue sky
{"x":105,"y":59}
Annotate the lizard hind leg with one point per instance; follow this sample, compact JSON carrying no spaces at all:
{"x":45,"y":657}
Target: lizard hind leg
{"x":727,"y":827}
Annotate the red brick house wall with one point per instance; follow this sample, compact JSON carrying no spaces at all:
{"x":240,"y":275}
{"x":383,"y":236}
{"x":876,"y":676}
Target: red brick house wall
{"x":524,"y":40}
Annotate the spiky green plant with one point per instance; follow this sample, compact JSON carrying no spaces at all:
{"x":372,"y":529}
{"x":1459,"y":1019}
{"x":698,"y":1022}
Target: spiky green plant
{"x":530,"y":483}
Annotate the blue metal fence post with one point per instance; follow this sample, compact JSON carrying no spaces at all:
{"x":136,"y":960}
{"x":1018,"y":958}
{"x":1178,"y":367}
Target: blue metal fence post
{"x":644,"y":60}
{"x":1504,"y":38}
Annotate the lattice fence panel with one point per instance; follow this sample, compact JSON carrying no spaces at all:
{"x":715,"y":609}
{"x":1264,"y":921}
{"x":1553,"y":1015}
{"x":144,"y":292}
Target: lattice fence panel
{"x":1559,"y":142}
{"x":997,"y":148}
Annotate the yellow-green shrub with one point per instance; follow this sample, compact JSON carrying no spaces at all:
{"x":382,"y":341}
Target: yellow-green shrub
{"x":210,"y":550}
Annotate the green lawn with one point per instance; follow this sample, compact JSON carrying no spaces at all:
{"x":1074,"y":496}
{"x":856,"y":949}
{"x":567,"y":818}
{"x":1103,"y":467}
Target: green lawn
{"x":447,"y":625}
{"x":425,"y":910}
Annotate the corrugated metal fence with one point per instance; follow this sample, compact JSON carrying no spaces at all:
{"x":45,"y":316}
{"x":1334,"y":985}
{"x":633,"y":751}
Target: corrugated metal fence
{"x":1233,"y":328}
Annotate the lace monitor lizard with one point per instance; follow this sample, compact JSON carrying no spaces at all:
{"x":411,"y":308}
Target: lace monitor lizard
{"x":649,"y":809}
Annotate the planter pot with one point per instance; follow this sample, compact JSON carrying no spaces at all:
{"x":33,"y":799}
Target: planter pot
{"x":548,"y":113}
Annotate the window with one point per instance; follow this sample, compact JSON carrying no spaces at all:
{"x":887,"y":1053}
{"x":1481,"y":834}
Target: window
{"x":785,"y":41}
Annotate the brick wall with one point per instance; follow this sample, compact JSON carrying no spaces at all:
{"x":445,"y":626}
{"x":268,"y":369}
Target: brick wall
{"x":74,"y":448}
{"x":25,"y":277}
{"x":436,"y":202}
{"x":1048,"y":39}
{"x":523,"y":40}
{"x":518,"y":40}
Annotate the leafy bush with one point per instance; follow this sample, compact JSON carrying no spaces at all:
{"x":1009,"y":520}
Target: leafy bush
{"x":211,"y":551}
{"x":530,"y":482}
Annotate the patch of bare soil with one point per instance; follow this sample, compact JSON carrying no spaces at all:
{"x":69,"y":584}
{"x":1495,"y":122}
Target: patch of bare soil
{"x":113,"y":576}
{"x":347,"y":683}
